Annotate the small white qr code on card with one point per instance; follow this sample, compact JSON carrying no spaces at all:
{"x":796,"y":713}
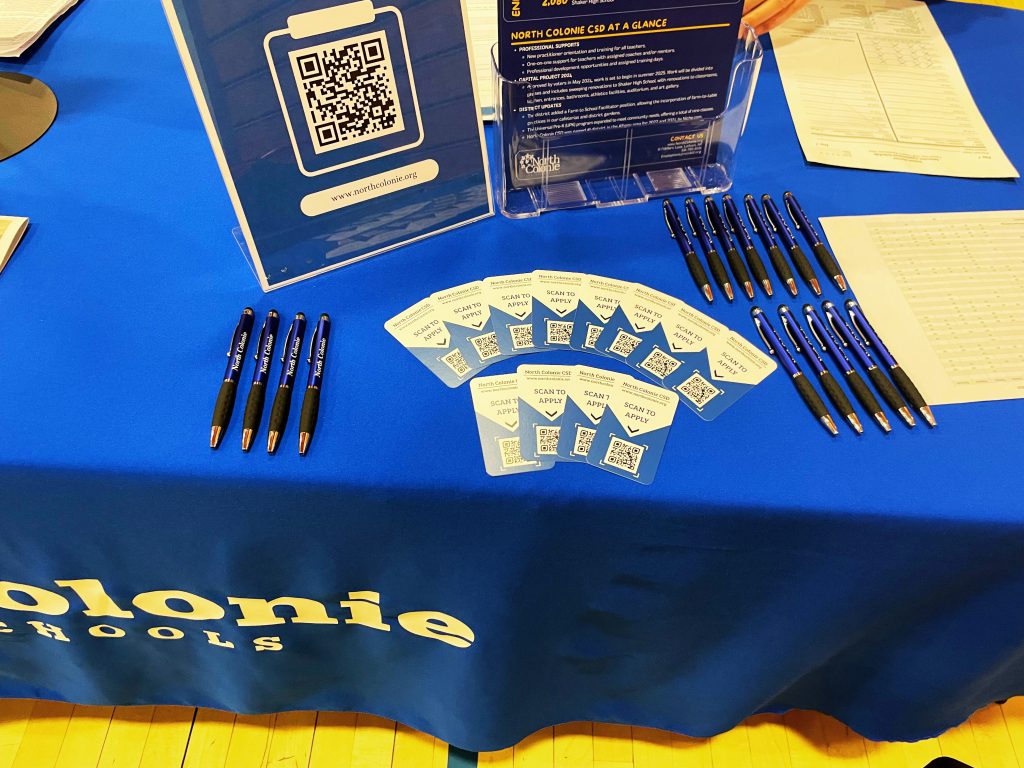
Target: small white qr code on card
{"x":559,"y":331}
{"x":511,"y":453}
{"x":547,"y":441}
{"x":456,"y":362}
{"x":624,"y":455}
{"x":659,"y":364}
{"x":522,"y":336}
{"x":698,"y":390}
{"x":486,"y":345}
{"x":593,"y":333}
{"x":624,"y":344}
{"x":584,"y":437}
{"x":348,"y":92}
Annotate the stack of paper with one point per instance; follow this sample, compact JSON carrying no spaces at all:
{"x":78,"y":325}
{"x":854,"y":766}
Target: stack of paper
{"x":22,"y":22}
{"x":11,"y":230}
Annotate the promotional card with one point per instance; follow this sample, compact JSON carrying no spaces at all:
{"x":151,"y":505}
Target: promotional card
{"x":641,"y":316}
{"x":496,"y":404}
{"x":542,"y":392}
{"x":598,"y":300}
{"x":555,"y":298}
{"x":687,"y":333}
{"x":468,"y":316}
{"x":510,"y":298}
{"x":588,"y":393}
{"x":422,"y":330}
{"x":342,"y":129}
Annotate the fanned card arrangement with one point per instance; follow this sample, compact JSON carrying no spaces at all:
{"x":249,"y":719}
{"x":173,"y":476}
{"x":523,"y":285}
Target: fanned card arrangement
{"x":543,"y":414}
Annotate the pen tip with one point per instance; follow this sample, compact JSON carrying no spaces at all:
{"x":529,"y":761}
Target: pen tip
{"x":841,"y":282}
{"x":907,"y":416}
{"x":767,"y":287}
{"x":792,"y":286}
{"x":272,"y":439}
{"x":727,"y":287}
{"x":928,"y":415}
{"x":246,"y":439}
{"x":749,"y":289}
{"x":215,"y":433}
{"x":303,"y":443}
{"x":882,"y":421}
{"x":829,"y":425}
{"x":815,"y":286}
{"x":708,"y":294}
{"x":855,"y":423}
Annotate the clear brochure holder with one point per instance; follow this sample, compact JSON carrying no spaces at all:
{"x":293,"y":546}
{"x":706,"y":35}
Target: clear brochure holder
{"x":531,"y":177}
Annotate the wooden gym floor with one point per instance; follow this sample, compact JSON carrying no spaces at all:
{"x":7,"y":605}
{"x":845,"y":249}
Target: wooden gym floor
{"x":40,"y":734}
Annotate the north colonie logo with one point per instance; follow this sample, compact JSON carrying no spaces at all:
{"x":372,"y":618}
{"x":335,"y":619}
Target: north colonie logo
{"x":361,"y":608}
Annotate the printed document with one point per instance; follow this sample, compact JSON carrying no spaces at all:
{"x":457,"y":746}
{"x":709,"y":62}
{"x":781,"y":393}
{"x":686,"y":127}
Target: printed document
{"x":946,"y":293}
{"x":873,"y":84}
{"x":483,"y":30}
{"x":22,"y":22}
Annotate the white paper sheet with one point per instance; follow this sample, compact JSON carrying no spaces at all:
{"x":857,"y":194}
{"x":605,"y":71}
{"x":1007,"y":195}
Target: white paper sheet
{"x":873,"y":84}
{"x":945,"y":291}
{"x":483,"y":29}
{"x":22,"y":22}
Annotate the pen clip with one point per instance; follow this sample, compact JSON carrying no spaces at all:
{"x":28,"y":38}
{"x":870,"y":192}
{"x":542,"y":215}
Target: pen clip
{"x":689,"y":219}
{"x":259,"y":347}
{"x":312,"y":342}
{"x":789,"y":331}
{"x":839,"y":334}
{"x":234,"y":339}
{"x":753,"y":216}
{"x":708,"y":202}
{"x":787,"y":201}
{"x":289,"y":342}
{"x":864,"y":337}
{"x":812,"y":323}
{"x":760,"y":332}
{"x":664,"y":210}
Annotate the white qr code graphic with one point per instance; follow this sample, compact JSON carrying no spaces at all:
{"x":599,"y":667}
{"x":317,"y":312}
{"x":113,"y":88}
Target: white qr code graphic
{"x":486,"y":346}
{"x":456,"y":362}
{"x":698,"y":390}
{"x":593,"y":333}
{"x":624,"y":455}
{"x":348,"y":92}
{"x":584,"y":437}
{"x":522,"y":336}
{"x":547,"y":441}
{"x":624,"y":344}
{"x":559,"y":331}
{"x":659,"y":364}
{"x":512,"y":453}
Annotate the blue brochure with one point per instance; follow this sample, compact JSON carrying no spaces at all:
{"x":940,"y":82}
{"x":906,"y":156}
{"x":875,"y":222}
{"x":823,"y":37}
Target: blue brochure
{"x":341,"y":129}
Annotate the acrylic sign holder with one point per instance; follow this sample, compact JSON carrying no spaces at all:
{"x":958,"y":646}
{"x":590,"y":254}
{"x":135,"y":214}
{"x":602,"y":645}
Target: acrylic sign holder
{"x":540,"y":174}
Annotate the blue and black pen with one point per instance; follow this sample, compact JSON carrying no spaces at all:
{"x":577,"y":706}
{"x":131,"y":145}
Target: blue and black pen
{"x":739,"y":229}
{"x":825,"y":257}
{"x":289,"y":365}
{"x":701,"y":234}
{"x":803,"y":345}
{"x":823,"y":334}
{"x":732,"y":254}
{"x":777,"y":349}
{"x":229,"y":387}
{"x":778,"y":258}
{"x":678,"y":232}
{"x":885,"y":388}
{"x":872,"y":339}
{"x":314,"y":383}
{"x":778,"y":224}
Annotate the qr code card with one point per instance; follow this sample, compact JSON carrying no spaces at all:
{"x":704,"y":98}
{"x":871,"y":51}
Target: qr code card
{"x":496,"y":405}
{"x":630,"y":439}
{"x":639,"y":317}
{"x":687,"y":335}
{"x":422,"y":330}
{"x":588,"y":394}
{"x":510,"y":299}
{"x":542,"y":392}
{"x":598,"y":299}
{"x":555,"y":299}
{"x":468,"y":316}
{"x":714,"y":379}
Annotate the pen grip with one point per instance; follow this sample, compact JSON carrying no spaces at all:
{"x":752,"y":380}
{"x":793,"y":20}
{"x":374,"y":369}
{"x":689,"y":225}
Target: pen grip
{"x":717,"y":269}
{"x":700,"y":277}
{"x":280,"y":409}
{"x":739,"y":269}
{"x":254,"y":406}
{"x":810,"y":397}
{"x":907,"y":388}
{"x":225,"y":403}
{"x":803,"y":266}
{"x":779,"y":262}
{"x":835,"y":394}
{"x":310,"y":410}
{"x":863,"y":393}
{"x":826,"y":259}
{"x":885,"y":388}
{"x":756,"y":265}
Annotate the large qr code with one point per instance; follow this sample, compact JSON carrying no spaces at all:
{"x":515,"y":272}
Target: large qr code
{"x":511,"y":453}
{"x":486,"y":346}
{"x":584,"y":437}
{"x":559,"y":331}
{"x":698,"y":390}
{"x":624,"y":455}
{"x":456,"y":362}
{"x":547,"y":441}
{"x":659,"y":364}
{"x":593,"y":333}
{"x":522,"y":336}
{"x":348,"y":92}
{"x":624,"y":344}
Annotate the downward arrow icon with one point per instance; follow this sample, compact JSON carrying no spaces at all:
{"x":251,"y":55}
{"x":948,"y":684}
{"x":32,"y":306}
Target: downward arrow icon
{"x":511,"y":424}
{"x":632,"y":430}
{"x":551,"y":414}
{"x":594,"y":417}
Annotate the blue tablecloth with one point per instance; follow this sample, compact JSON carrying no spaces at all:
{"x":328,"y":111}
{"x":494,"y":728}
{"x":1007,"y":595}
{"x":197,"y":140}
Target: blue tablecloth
{"x":877,"y":579}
